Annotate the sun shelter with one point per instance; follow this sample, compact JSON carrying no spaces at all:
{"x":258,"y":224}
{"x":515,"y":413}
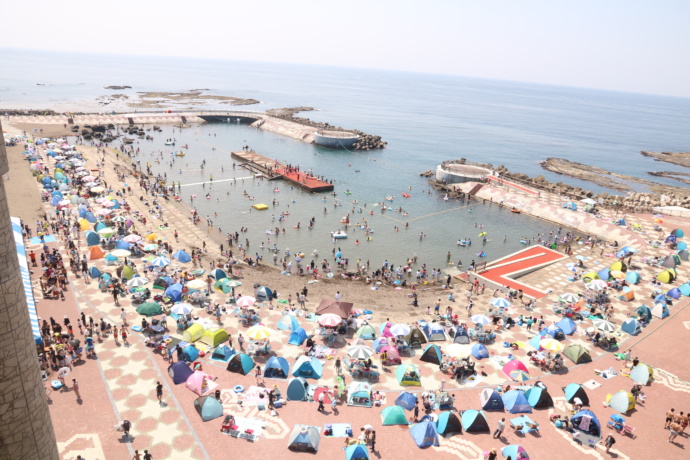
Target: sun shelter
{"x":408,"y":375}
{"x":474,"y":421}
{"x":434,"y":332}
{"x":660,"y":310}
{"x":193,"y":333}
{"x":683,"y":288}
{"x":674,"y":293}
{"x":359,"y":394}
{"x":415,"y":338}
{"x":461,"y":336}
{"x":241,"y":364}
{"x":642,"y":373}
{"x":276,"y":367}
{"x":448,"y":423}
{"x":491,"y":400}
{"x":406,"y":400}
{"x":366,"y":332}
{"x":174,"y":292}
{"x":644,"y":312}
{"x":425,"y":434}
{"x":621,"y":401}
{"x":684,"y":254}
{"x":190,"y":353}
{"x":304,"y":438}
{"x":479,"y":351}
{"x":392,"y":355}
{"x":515,"y":451}
{"x":587,"y":422}
{"x":432,"y":354}
{"x":516,"y":402}
{"x":631,"y":326}
{"x":208,"y":407}
{"x":678,"y":232}
{"x":393,"y":415}
{"x":567,"y":325}
{"x":632,"y":277}
{"x":575,"y":390}
{"x":667,"y":276}
{"x":669,"y":262}
{"x":95,"y":252}
{"x":516,"y":370}
{"x":539,"y":397}
{"x":200,"y":383}
{"x":627,"y":295}
{"x":222,"y":353}
{"x":179,"y":372}
{"x":288,"y":323}
{"x":149,"y":309}
{"x":298,"y":336}
{"x":92,"y":238}
{"x":553,"y":331}
{"x":604,"y":274}
{"x":342,"y":309}
{"x":577,"y":354}
{"x":297,"y":389}
{"x":356,"y":452}
{"x":380,"y":343}
{"x":214,"y":337}
{"x":160,"y":283}
{"x":307,"y":367}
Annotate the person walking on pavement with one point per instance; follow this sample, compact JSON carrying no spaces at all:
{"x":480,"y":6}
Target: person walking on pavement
{"x":500,"y":426}
{"x":116,"y":335}
{"x":337,"y":365}
{"x":416,"y":412}
{"x":75,"y":387}
{"x":675,"y":429}
{"x":240,"y":342}
{"x":159,"y":392}
{"x":609,"y":442}
{"x":123,"y":315}
{"x":321,"y":406}
{"x":147,"y":455}
{"x":137,"y":455}
{"x":123,"y":333}
{"x":669,"y":417}
{"x":258,"y":374}
{"x":372,"y":440}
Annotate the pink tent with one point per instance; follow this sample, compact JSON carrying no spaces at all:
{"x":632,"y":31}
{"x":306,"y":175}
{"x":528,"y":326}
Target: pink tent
{"x":200,"y":383}
{"x":393,"y":355}
{"x":387,"y":333}
{"x":516,"y":370}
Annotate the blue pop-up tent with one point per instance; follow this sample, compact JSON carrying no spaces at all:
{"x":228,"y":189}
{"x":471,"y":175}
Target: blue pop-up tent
{"x":448,"y":422}
{"x":406,"y":400}
{"x":516,"y":402}
{"x":297,"y":389}
{"x":288,"y":323}
{"x":208,"y":407}
{"x":474,"y":421}
{"x":179,"y":372}
{"x":567,"y":325}
{"x":425,"y":434}
{"x":356,"y":452}
{"x":276,"y":367}
{"x":241,"y":363}
{"x":182,"y":256}
{"x":591,"y":425}
{"x":432,"y":354}
{"x":298,"y":336}
{"x":479,"y":351}
{"x":631,"y":326}
{"x":490,"y":399}
{"x":307,"y":367}
{"x":575,"y":390}
{"x":174,"y":292}
{"x":538,"y":397}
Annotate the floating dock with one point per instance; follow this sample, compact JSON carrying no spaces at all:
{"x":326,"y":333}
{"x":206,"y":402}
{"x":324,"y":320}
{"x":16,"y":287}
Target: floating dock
{"x":273,"y":169}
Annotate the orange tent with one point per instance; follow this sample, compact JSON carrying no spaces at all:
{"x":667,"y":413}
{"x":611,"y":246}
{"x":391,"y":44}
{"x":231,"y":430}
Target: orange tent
{"x":95,"y":252}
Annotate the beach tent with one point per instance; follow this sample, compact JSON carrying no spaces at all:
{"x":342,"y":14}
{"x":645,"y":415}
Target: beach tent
{"x":516,"y":370}
{"x":200,"y":383}
{"x":94,"y":273}
{"x":491,"y":400}
{"x":618,"y":266}
{"x":669,"y":262}
{"x":631,"y":326}
{"x":174,"y":292}
{"x":406,"y":400}
{"x":461,"y":336}
{"x":208,"y":407}
{"x":684,"y":255}
{"x":570,"y":205}
{"x":380,"y":343}
{"x":217,"y":274}
{"x":567,"y":325}
{"x":122,"y":244}
{"x":149,"y":309}
{"x":359,"y":394}
{"x":621,"y":401}
{"x":539,"y":398}
{"x":667,"y":276}
{"x":674,"y":293}
{"x":575,"y":390}
{"x":632,"y":277}
{"x":682,"y":246}
{"x":553,"y":331}
{"x":190,"y":353}
{"x":241,"y":364}
{"x":627,"y":295}
{"x":678,"y":232}
{"x":288,"y":323}
{"x":222,"y":353}
{"x":90,"y":218}
{"x":448,"y":423}
{"x":366,"y":332}
{"x":392,"y":355}
{"x":393,"y":415}
{"x":408,"y":375}
{"x":479,"y":351}
{"x":342,"y":309}
{"x":604,"y":274}
{"x":307,"y":367}
{"x":587,"y":422}
{"x":214,"y":337}
{"x":356,"y":452}
{"x":642,"y":373}
{"x":276,"y":367}
{"x":515,"y":451}
{"x":644,"y":312}
{"x":182,"y":256}
{"x":415,"y":338}
{"x":474,"y":421}
{"x":535,"y":342}
{"x":263,"y":294}
{"x":660,"y":310}
{"x":577,"y":354}
{"x":590,"y":276}
{"x":297,"y":389}
{"x":304,"y":438}
{"x":260,"y":207}
{"x":92,"y":238}
{"x":432,"y":354}
{"x":179,"y":372}
{"x":434,"y":332}
{"x":94,"y":253}
{"x":516,"y":402}
{"x":298,"y":336}
{"x":425,"y":434}
{"x":683,"y":288}
{"x":193,"y":333}
{"x":160,"y":283}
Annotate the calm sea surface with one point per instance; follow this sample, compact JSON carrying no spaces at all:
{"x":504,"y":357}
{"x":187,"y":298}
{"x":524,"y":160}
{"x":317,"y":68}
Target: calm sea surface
{"x":425,"y":119}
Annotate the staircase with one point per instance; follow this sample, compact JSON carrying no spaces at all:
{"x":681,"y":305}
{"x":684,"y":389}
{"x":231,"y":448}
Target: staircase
{"x":475,"y":189}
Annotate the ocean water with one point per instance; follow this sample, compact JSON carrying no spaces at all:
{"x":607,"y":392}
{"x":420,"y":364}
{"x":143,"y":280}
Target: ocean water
{"x":424,"y":118}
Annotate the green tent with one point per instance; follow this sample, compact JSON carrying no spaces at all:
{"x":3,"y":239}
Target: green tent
{"x":149,"y":309}
{"x":214,"y":337}
{"x":577,"y":354}
{"x":393,"y":415}
{"x":408,"y":375}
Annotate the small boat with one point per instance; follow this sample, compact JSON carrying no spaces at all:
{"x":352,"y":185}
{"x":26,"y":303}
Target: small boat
{"x":339,"y":235}
{"x":406,"y":195}
{"x":180,"y":154}
{"x":515,"y":210}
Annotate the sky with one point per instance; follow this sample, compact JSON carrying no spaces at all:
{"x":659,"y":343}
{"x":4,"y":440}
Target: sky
{"x":637,"y":46}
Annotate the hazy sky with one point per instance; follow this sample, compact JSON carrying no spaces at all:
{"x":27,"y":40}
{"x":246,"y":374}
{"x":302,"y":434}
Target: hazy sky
{"x":627,"y":45}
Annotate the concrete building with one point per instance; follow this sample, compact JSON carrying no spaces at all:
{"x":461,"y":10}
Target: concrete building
{"x":460,"y":171}
{"x":26,"y":430}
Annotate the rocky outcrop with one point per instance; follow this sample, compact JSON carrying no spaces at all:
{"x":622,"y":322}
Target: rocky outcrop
{"x":117,"y":87}
{"x":676,"y":158}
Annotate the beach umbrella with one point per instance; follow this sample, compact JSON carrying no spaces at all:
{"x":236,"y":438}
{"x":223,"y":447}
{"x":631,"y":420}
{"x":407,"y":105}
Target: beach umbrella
{"x":360,"y":352}
{"x":150,"y":247}
{"x":457,"y":350}
{"x":160,"y":262}
{"x":259,"y":332}
{"x":97,"y":189}
{"x":149,"y":309}
{"x":400,"y":329}
{"x":132,"y":238}
{"x":106,"y":231}
{"x":597,"y":285}
{"x":137,"y":281}
{"x":500,"y":302}
{"x":152,"y":237}
{"x":181,"y":256}
{"x":103,"y":212}
{"x":604,"y":325}
{"x":551,"y":345}
{"x":196,"y":284}
{"x":481,"y":319}
{"x":118,"y":219}
{"x":182,"y":308}
{"x":516,"y":370}
{"x":330,"y":320}
{"x":246,"y":301}
{"x":569,"y":298}
{"x":121,"y":253}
